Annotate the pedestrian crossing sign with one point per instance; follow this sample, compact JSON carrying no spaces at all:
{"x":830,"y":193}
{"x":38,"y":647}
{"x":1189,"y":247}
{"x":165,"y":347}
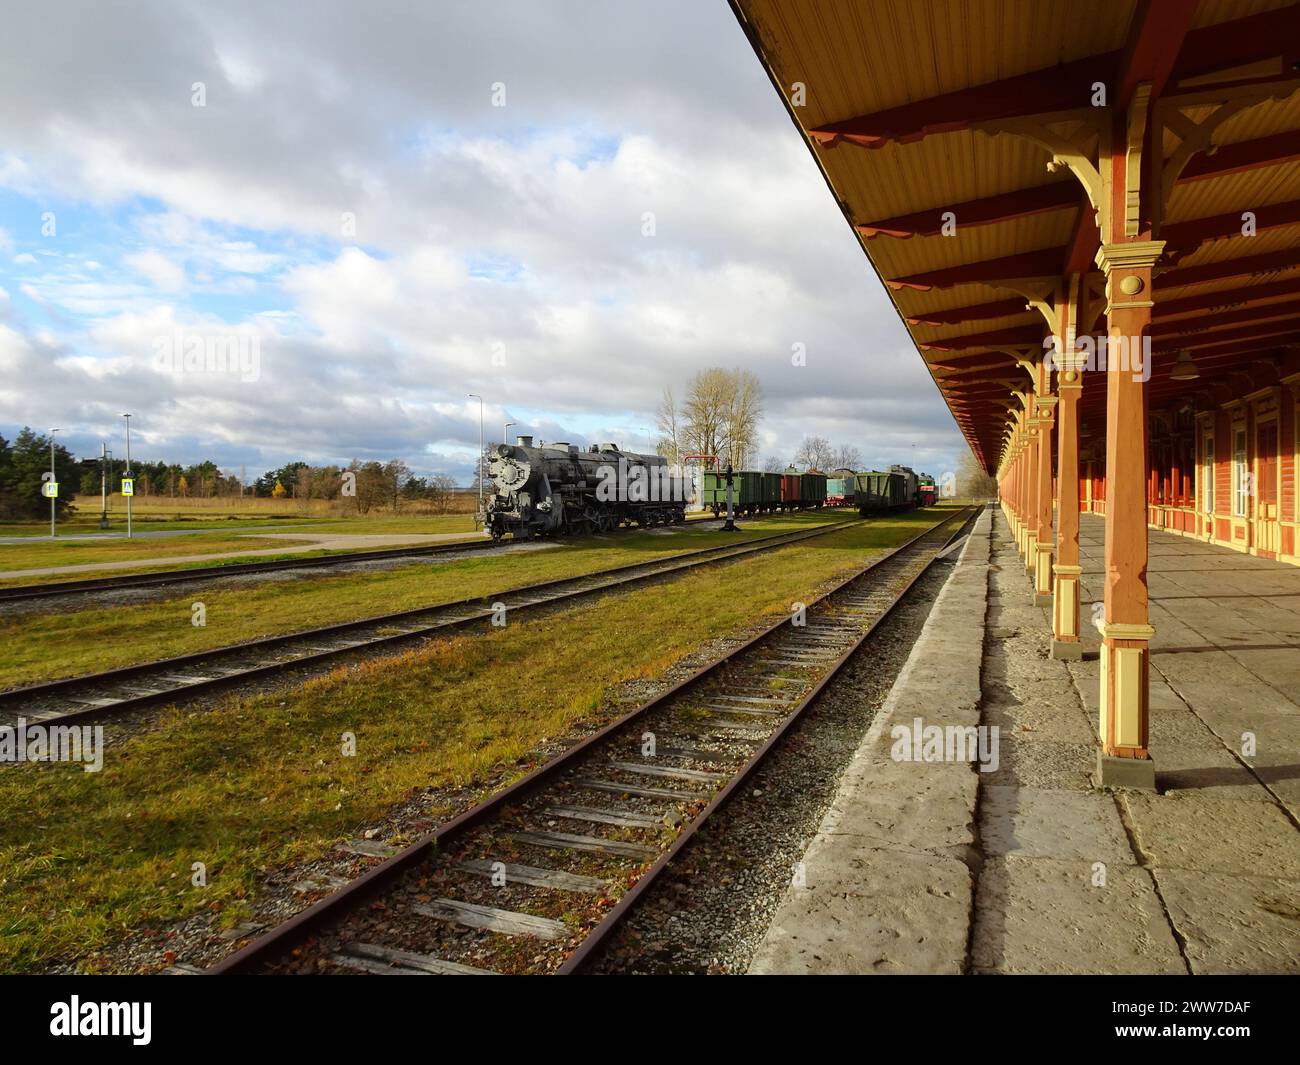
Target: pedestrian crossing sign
{"x":128,"y":486}
{"x":50,"y":489}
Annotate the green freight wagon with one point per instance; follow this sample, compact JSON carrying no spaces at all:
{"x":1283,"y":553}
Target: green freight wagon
{"x":812,"y":489}
{"x":748,"y":492}
{"x":879,"y":493}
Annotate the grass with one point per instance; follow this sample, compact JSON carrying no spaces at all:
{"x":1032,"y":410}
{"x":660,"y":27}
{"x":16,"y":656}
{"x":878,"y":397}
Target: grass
{"x":208,"y":537}
{"x":79,"y":552}
{"x":35,"y":647}
{"x":183,"y":512}
{"x":260,"y":782}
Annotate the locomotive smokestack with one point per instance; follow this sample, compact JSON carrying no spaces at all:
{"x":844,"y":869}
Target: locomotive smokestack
{"x":524,"y":441}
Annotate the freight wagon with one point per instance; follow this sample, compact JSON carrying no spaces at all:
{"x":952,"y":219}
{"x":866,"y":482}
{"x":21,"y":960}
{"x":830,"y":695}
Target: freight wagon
{"x":881,"y":492}
{"x":839,"y":491}
{"x":752,"y":492}
{"x":763,"y":493}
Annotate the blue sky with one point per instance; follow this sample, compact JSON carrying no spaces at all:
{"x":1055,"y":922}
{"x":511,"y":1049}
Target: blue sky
{"x":351,"y":203}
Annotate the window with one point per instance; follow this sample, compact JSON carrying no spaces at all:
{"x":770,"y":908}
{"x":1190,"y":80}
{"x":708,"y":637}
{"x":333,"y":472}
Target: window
{"x":1207,"y":474}
{"x":1240,"y":475}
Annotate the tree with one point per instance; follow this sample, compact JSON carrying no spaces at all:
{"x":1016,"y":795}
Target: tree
{"x":973,"y":481}
{"x":670,"y":429}
{"x":847,"y":457}
{"x":772,"y":464}
{"x":719,"y":416}
{"x":183,"y":486}
{"x":815,"y":453}
{"x":22,"y":468}
{"x":395,"y":473}
{"x":742,"y":417}
{"x":278,"y":491}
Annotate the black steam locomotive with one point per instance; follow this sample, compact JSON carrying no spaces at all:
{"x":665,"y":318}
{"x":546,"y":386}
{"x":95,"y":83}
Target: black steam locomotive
{"x":562,"y":490}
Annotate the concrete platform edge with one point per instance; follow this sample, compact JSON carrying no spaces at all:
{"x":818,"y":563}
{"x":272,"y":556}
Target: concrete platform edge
{"x":886,"y":884}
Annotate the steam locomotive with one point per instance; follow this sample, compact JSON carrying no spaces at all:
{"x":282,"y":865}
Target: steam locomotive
{"x":562,"y":490}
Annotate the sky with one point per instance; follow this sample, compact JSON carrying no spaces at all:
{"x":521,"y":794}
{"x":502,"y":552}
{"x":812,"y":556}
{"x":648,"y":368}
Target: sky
{"x":311,"y":230}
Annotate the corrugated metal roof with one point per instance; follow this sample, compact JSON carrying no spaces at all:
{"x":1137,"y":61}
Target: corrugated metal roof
{"x":855,"y":59}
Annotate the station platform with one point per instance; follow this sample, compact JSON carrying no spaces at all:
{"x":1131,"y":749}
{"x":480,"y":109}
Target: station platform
{"x":1014,"y":862}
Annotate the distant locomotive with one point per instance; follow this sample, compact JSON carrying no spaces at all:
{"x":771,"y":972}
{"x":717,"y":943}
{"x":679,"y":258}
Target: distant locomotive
{"x":562,"y":490}
{"x":926,"y":492}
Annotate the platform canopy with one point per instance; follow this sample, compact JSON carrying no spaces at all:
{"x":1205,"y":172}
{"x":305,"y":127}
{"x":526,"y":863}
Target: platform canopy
{"x":966,"y":144}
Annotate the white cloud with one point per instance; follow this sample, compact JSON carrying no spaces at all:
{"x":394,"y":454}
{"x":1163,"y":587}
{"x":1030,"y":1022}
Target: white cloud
{"x":513,"y":230}
{"x":159,"y":269}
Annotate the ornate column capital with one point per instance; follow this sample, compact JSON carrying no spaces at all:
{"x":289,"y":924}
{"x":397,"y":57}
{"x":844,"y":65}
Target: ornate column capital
{"x":1129,"y":255}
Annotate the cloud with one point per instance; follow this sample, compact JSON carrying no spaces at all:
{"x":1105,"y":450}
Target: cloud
{"x":165,"y":274}
{"x":641,"y":208}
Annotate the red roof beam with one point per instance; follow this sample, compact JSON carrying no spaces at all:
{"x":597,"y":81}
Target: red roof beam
{"x":1271,"y":262}
{"x":1208,"y":322}
{"x":1185,"y":237}
{"x":956,"y":315}
{"x":1068,"y":86}
{"x":1281,"y":327}
{"x":1045,"y":262}
{"x":1247,"y":155}
{"x":1022,"y":203}
{"x":1248,"y":295}
{"x":1155,"y":37}
{"x":1025,"y":334}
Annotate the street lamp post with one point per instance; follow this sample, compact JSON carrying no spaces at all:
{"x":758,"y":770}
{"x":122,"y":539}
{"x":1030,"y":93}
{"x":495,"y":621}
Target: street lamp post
{"x":129,"y":474}
{"x":507,"y":425}
{"x":53,"y":481}
{"x":478,"y":462}
{"x":103,"y":484}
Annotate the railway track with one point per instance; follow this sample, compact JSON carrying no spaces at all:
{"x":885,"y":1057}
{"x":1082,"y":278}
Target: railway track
{"x":533,"y":879}
{"x":131,"y":687}
{"x":54,"y":589}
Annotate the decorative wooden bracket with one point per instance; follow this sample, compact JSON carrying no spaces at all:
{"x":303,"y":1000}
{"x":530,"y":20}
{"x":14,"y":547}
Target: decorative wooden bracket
{"x":1138,"y":110}
{"x":1076,"y":139}
{"x":1197,"y":134}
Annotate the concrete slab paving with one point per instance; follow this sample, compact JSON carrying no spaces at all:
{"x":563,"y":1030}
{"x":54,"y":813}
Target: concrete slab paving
{"x":1042,"y":915}
{"x":1046,"y":823}
{"x":888,"y":884}
{"x":1202,"y":876}
{"x":1215,"y":835}
{"x":1234,"y":924}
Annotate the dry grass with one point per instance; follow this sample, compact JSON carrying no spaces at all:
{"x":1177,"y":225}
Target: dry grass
{"x":36,"y":647}
{"x":261,"y":782}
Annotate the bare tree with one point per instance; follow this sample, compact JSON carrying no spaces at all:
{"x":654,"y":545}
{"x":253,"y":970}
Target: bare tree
{"x":704,"y":413}
{"x":670,"y":428}
{"x":772,"y":464}
{"x":815,"y":453}
{"x":441,"y":487}
{"x":972,"y":480}
{"x":847,"y":457}
{"x":742,"y":417}
{"x":719,"y":416}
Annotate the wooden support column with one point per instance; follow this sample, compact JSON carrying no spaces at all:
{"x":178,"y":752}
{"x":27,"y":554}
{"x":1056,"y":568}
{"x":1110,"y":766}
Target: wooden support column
{"x":1041,"y":562}
{"x":1066,"y":571}
{"x":1124,"y":759}
{"x":1030,"y":536}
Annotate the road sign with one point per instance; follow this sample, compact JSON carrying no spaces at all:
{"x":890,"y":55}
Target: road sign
{"x":50,"y":489}
{"x":128,"y":486}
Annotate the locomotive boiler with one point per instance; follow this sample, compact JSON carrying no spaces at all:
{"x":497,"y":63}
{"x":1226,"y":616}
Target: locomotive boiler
{"x":562,"y":490}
